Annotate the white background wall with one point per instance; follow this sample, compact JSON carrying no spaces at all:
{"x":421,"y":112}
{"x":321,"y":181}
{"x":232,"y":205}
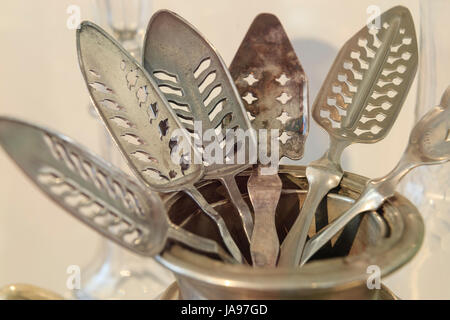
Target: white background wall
{"x":41,"y":82}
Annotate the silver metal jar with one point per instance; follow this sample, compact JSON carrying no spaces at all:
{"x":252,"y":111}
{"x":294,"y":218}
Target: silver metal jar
{"x":386,"y":239}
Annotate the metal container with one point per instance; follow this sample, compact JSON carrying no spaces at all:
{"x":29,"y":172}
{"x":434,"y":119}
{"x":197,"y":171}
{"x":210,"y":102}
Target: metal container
{"x":386,"y":239}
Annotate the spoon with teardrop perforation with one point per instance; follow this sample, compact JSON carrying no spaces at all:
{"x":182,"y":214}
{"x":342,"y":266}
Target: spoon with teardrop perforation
{"x":429,"y":143}
{"x":149,"y":135}
{"x":93,"y":191}
{"x":358,"y":102}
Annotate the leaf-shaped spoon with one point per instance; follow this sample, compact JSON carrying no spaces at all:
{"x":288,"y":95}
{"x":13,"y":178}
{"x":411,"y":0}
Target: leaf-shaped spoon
{"x":358,"y":103}
{"x":95,"y":192}
{"x":141,"y":122}
{"x":271,"y":80}
{"x":197,"y":84}
{"x":429,"y":143}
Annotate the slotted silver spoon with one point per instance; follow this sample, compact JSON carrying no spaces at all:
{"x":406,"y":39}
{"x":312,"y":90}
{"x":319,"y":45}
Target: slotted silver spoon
{"x":358,"y":103}
{"x":95,"y":192}
{"x":198,"y":87}
{"x":277,"y":84}
{"x":429,"y":143}
{"x":139,"y":118}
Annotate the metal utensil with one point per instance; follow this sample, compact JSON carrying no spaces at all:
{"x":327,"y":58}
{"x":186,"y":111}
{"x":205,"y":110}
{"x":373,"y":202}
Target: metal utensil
{"x":358,"y":103}
{"x":21,"y":291}
{"x":274,"y":86}
{"x":197,"y":84}
{"x":429,"y":143}
{"x":264,"y":192}
{"x":95,"y":192}
{"x":142,"y":124}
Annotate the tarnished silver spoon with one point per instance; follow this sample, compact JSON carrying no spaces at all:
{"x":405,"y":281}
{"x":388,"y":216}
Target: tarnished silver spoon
{"x":274,"y":87}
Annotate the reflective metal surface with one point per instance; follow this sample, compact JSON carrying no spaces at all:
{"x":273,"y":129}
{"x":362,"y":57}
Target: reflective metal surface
{"x":142,"y":124}
{"x":273,"y":85}
{"x":388,"y":240}
{"x":429,"y":144}
{"x":358,"y":293}
{"x":95,"y":192}
{"x":198,"y":87}
{"x":358,"y":103}
{"x":19,"y":291}
{"x":264,"y":193}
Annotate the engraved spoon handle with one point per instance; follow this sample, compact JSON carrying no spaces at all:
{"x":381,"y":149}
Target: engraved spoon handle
{"x":264,"y":192}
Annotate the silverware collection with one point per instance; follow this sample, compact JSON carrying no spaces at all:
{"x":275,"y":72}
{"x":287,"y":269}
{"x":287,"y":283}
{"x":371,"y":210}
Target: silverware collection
{"x":152,"y":110}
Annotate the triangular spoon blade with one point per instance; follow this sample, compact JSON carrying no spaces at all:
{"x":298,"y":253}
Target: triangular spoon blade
{"x":273,"y":84}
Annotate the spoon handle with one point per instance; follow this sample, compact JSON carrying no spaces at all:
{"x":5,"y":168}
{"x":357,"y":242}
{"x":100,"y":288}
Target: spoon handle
{"x":194,"y":241}
{"x":264,"y":192}
{"x":320,"y":180}
{"x":214,"y":215}
{"x":229,"y":183}
{"x":370,"y":199}
{"x":374,"y":194}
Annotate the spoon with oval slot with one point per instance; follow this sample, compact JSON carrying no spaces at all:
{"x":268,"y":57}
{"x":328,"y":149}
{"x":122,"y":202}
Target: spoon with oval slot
{"x":429,"y":143}
{"x":358,"y":102}
{"x":274,"y":88}
{"x":95,"y":192}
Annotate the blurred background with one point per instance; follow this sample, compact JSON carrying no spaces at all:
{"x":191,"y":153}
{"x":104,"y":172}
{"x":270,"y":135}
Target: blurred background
{"x":41,"y":82}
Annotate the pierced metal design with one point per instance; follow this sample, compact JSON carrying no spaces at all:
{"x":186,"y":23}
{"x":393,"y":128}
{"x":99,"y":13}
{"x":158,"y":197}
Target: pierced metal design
{"x":153,"y":124}
{"x":91,"y":190}
{"x":427,"y":146}
{"x":273,"y":84}
{"x":133,"y":109}
{"x":201,"y":89}
{"x":353,"y":106}
{"x":364,"y":90}
{"x":98,"y":194}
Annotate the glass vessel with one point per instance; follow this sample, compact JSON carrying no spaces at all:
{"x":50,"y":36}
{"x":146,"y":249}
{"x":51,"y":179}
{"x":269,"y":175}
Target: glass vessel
{"x":116,"y":273}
